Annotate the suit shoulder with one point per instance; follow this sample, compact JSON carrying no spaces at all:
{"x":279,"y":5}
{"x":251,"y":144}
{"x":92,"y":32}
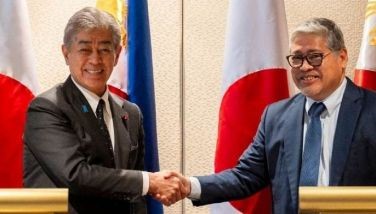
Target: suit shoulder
{"x":51,"y":95}
{"x":131,"y":107}
{"x":368,"y":99}
{"x":370,"y":94}
{"x":285,"y":103}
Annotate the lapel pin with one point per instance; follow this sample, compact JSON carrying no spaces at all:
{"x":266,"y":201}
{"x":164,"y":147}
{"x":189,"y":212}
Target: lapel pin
{"x":85,"y":109}
{"x":125,"y":116}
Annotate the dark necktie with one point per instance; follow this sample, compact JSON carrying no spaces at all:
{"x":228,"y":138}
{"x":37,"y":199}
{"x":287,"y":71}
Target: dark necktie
{"x":103,"y":128}
{"x":312,"y":147}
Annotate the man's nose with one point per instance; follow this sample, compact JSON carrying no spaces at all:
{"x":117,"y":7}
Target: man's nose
{"x":306,"y":66}
{"x":95,"y":57}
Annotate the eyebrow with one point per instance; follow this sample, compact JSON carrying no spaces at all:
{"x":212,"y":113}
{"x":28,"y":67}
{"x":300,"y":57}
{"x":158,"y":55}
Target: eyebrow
{"x":307,"y":52}
{"x":87,"y":42}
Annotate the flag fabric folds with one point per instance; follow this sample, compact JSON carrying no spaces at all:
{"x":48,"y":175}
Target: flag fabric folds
{"x":133,"y":76}
{"x":18,"y":85}
{"x":254,"y":76}
{"x":365,"y":71}
{"x":118,"y":81}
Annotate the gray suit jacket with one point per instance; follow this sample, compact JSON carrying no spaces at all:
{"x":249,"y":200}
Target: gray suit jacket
{"x":64,"y":148}
{"x":275,"y":155}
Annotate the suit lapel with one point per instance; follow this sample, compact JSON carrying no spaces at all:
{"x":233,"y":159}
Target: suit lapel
{"x":81,"y":106}
{"x":293,"y":143}
{"x":122,"y":137}
{"x":346,"y":123}
{"x":88,"y":121}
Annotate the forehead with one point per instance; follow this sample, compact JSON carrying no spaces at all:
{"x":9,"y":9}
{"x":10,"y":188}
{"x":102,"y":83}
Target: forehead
{"x":308,"y":43}
{"x":95,"y":36}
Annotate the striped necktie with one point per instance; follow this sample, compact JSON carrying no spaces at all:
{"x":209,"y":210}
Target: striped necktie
{"x":312,"y":147}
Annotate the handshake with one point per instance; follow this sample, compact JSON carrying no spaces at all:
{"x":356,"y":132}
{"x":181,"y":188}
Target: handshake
{"x":168,"y":187}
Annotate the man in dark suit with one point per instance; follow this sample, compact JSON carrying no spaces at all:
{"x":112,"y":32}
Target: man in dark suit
{"x":77,"y":137}
{"x":333,"y":146}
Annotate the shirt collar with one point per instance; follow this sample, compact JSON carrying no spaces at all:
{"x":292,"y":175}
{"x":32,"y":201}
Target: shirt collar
{"x":332,"y":101}
{"x":93,"y":99}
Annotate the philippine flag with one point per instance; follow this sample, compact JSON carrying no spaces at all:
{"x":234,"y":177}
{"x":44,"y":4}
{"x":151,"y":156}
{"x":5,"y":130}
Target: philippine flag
{"x":365,"y":72}
{"x":255,"y":75}
{"x":18,"y":85}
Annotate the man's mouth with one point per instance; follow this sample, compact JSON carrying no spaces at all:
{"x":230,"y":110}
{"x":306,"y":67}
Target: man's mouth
{"x":94,"y":71}
{"x":309,"y":77}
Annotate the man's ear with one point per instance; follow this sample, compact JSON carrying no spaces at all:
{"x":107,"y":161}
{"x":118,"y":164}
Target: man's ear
{"x":343,"y":57}
{"x":117,"y":54}
{"x":65,"y":51}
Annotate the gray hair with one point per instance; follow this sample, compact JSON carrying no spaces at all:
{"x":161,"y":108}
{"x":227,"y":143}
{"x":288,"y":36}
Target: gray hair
{"x":324,"y":28}
{"x":90,"y":18}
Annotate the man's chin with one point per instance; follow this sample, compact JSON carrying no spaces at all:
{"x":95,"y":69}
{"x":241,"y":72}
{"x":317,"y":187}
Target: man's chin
{"x":96,"y":89}
{"x":311,"y":93}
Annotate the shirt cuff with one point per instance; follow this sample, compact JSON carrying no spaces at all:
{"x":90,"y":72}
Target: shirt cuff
{"x":145,"y":183}
{"x":195,"y":189}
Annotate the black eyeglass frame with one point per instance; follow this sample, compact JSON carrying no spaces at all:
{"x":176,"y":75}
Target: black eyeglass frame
{"x":306,"y":57}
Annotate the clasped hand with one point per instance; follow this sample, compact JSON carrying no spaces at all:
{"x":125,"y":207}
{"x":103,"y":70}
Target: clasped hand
{"x":168,"y":187}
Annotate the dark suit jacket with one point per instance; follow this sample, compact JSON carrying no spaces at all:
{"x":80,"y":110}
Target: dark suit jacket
{"x":64,"y":148}
{"x":274,"y":157}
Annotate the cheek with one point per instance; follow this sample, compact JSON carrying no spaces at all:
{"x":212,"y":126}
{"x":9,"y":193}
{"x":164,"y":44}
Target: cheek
{"x":331,"y":73}
{"x":75,"y":62}
{"x":295,"y":74}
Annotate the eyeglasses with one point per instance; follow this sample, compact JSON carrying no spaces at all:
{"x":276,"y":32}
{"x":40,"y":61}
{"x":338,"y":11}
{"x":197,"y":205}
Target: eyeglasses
{"x":313,"y":59}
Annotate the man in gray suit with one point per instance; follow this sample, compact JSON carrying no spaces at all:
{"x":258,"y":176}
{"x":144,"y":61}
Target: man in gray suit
{"x":77,"y":137}
{"x":332,"y":145}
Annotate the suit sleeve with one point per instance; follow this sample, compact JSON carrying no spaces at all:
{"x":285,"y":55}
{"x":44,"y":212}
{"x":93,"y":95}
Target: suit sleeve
{"x":247,"y":177}
{"x":54,"y":143}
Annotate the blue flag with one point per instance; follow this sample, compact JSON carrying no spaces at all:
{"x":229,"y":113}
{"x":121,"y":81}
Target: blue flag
{"x":141,"y":84}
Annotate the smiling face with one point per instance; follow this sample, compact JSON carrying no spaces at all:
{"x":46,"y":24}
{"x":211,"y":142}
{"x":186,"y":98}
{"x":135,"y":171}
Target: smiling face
{"x":91,"y":57}
{"x":318,"y":82}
